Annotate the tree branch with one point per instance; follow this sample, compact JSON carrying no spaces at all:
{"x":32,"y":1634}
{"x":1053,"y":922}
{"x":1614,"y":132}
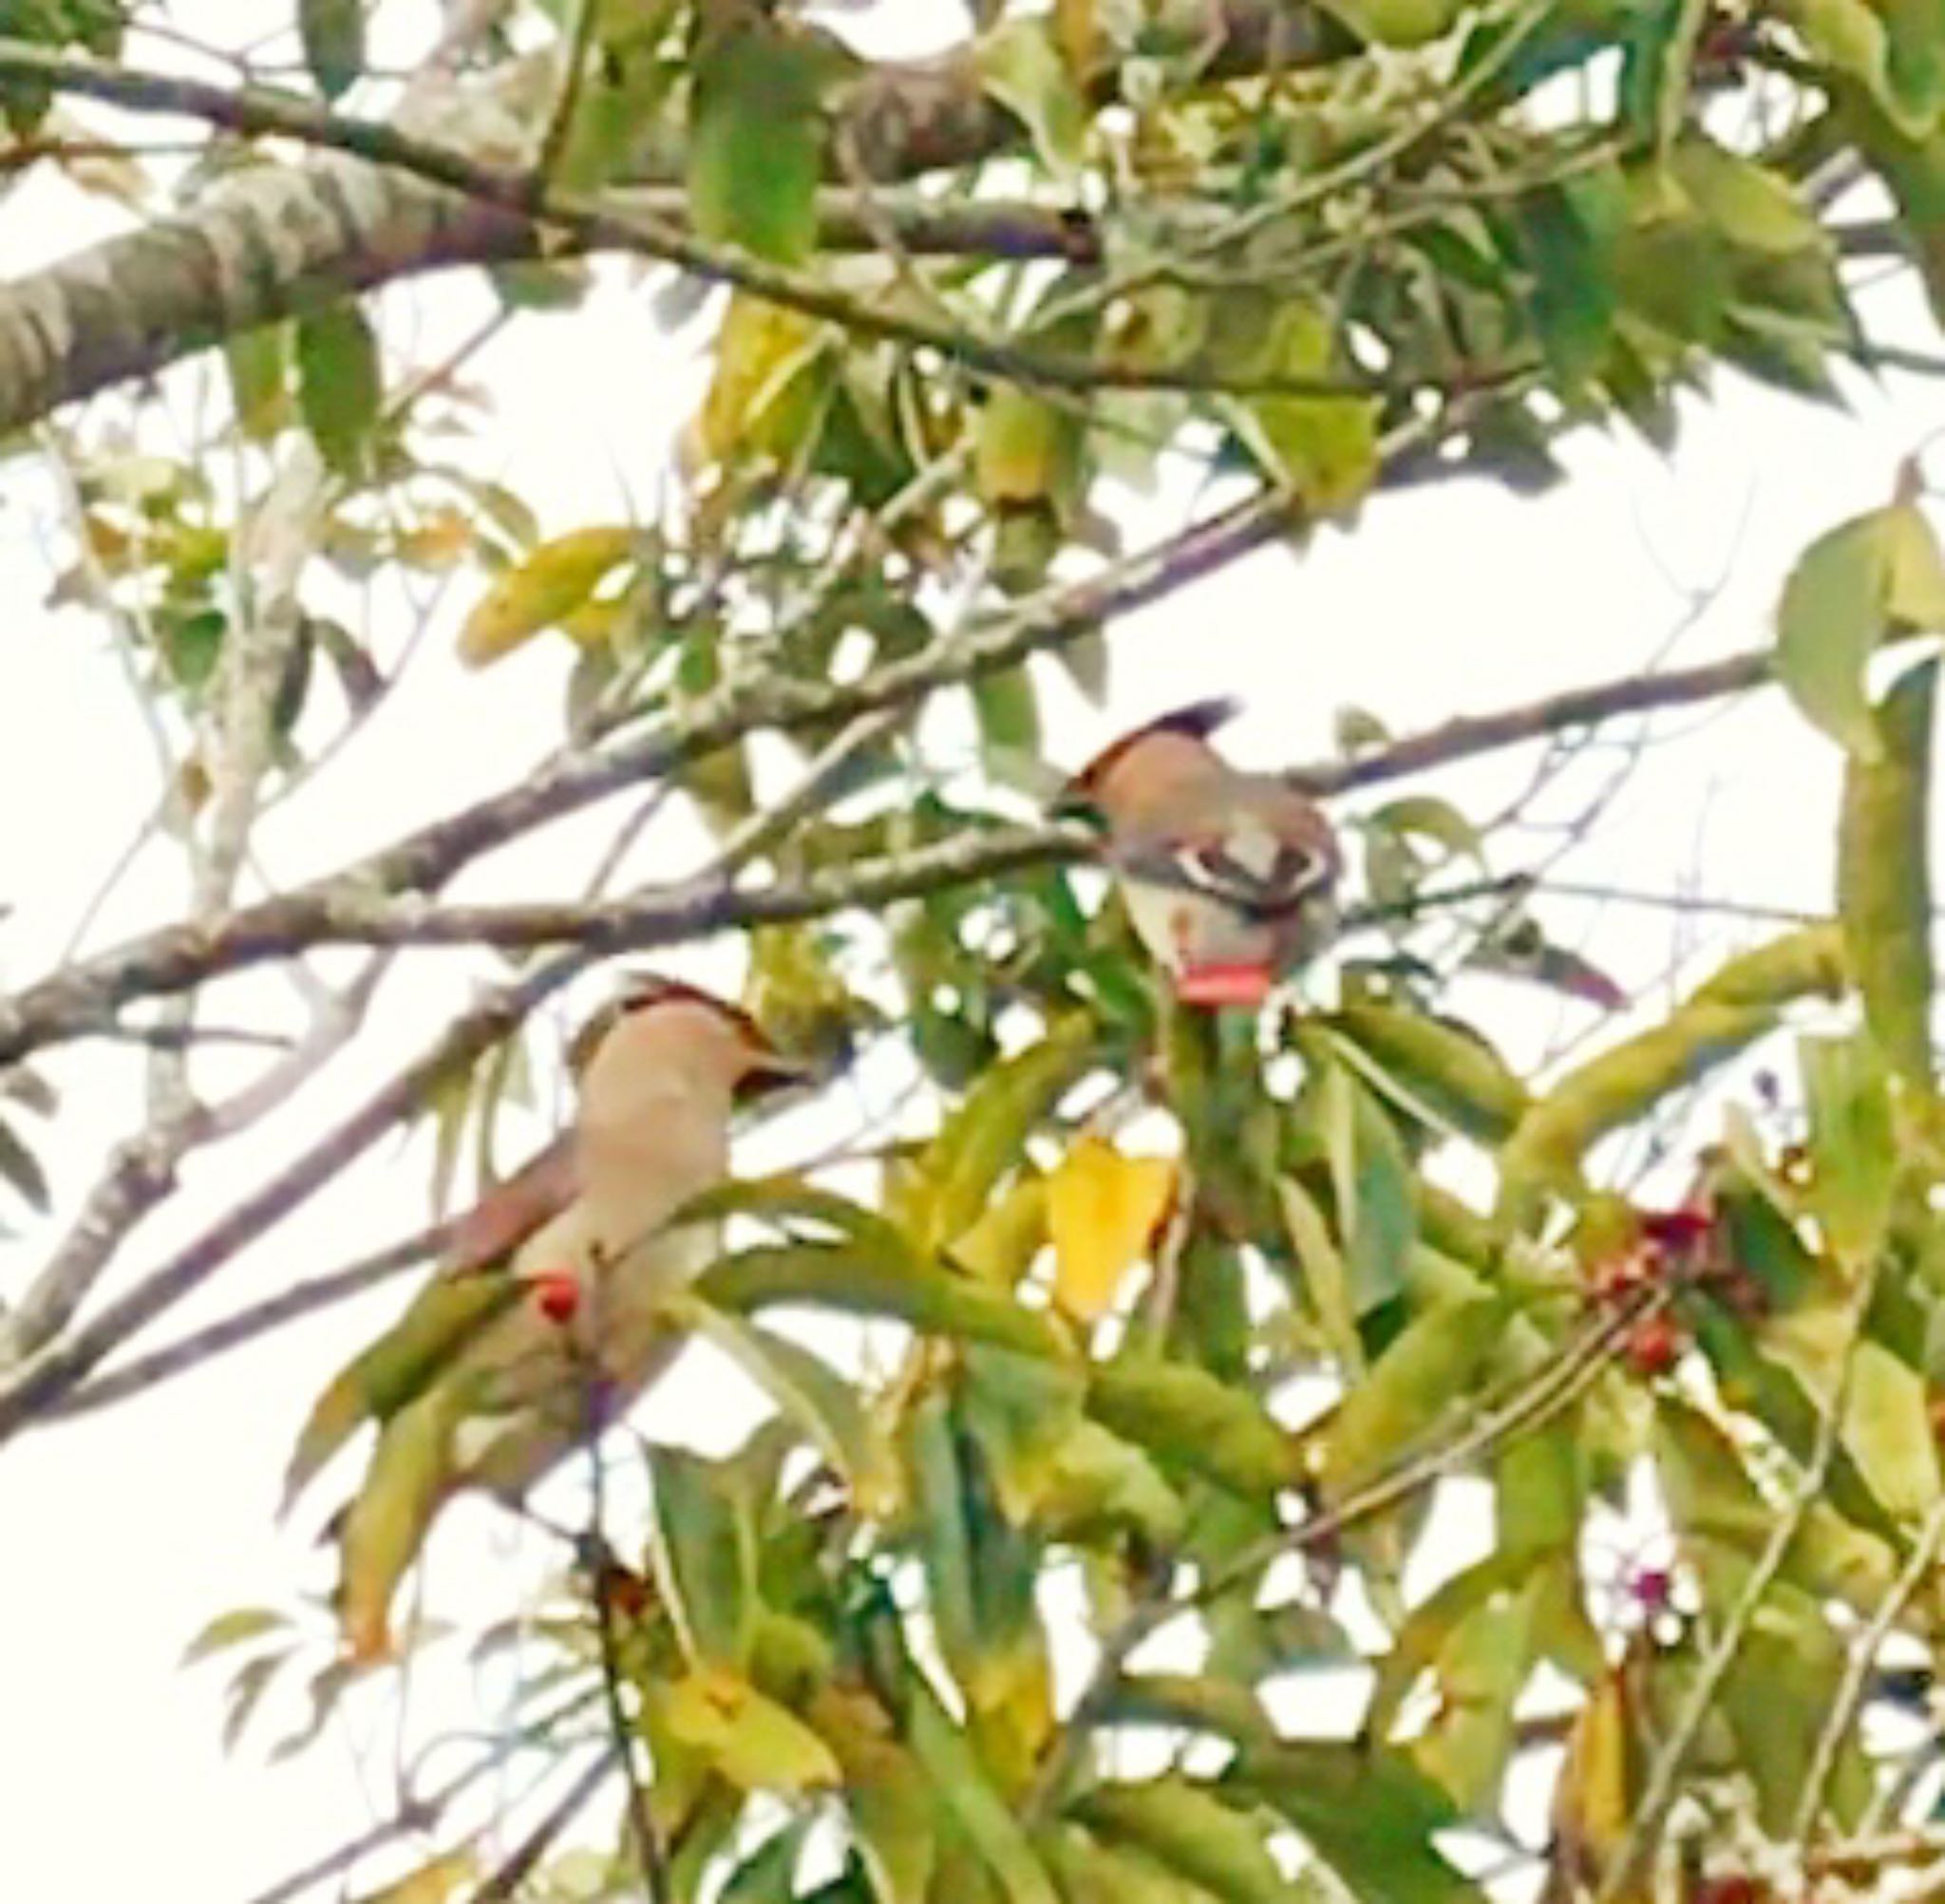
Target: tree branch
{"x":79,"y":1000}
{"x":279,"y":242}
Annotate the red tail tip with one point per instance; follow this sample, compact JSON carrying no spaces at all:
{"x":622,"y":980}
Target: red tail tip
{"x":1219,"y":984}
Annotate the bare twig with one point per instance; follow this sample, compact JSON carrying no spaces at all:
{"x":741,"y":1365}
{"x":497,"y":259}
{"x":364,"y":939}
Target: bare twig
{"x":1672,"y":1758}
{"x":291,"y":1305}
{"x":1857,"y":1673}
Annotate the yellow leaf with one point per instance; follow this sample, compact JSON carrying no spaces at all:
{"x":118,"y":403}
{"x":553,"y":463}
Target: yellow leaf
{"x":1103,"y":1208}
{"x":551,"y":584}
{"x":1595,"y":1799}
{"x":760,"y":352}
{"x":753,"y":1741}
{"x":434,"y":1883}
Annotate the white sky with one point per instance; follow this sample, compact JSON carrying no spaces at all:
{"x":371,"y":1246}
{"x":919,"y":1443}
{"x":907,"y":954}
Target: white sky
{"x":125,"y":1532}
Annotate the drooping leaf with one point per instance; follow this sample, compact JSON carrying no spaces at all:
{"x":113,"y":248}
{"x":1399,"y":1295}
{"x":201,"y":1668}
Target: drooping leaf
{"x":1371,"y":1180}
{"x":1102,"y":1210}
{"x":258,"y":362}
{"x":332,"y":35}
{"x":1883,"y":883}
{"x":1852,"y":1143}
{"x":1324,"y":447}
{"x":1020,"y":65}
{"x":340,"y":385}
{"x":1408,"y":1388}
{"x":756,"y":138}
{"x":1366,"y":1813}
{"x":237,"y":1628}
{"x":1887,"y":1431}
{"x":965,"y":1790}
{"x":1438,"y":1069}
{"x":550,"y":584}
{"x":388,"y":1517}
{"x":704,"y":1548}
{"x":1847,"y":591}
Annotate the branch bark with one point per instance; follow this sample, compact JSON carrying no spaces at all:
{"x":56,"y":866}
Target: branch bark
{"x":79,"y":1000}
{"x":282,"y":241}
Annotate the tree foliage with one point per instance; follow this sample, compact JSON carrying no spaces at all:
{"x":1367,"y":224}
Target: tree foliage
{"x":1140,"y":1323}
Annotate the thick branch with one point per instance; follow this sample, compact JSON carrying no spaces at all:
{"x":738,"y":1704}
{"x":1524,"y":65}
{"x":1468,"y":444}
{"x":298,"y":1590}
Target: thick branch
{"x":353,"y":904}
{"x":278,"y":242}
{"x":73,"y":1002}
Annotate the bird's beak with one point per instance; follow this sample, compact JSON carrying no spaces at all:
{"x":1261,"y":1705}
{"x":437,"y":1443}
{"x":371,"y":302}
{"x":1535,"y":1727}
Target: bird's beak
{"x":771,"y":1070}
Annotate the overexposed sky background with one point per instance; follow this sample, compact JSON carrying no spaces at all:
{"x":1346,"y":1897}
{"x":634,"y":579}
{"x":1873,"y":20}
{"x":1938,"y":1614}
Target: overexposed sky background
{"x":124,"y":1532}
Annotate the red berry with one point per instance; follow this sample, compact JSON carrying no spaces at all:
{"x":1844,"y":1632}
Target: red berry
{"x":557,"y":1295}
{"x":1654,"y":1347}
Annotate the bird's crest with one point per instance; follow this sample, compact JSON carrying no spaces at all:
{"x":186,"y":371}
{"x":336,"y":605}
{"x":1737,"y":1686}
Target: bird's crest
{"x":1196,"y":722}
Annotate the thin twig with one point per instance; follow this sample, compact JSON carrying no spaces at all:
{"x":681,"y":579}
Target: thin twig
{"x":1670,"y":1759}
{"x":1850,"y":1692}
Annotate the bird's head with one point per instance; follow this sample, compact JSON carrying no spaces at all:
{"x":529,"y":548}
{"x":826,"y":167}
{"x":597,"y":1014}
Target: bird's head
{"x":669,"y":1021}
{"x":1125,"y":775}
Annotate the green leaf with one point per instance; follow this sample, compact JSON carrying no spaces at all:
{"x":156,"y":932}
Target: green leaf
{"x":704,"y":1547}
{"x":965,"y":1791}
{"x":396,"y":1369}
{"x":258,"y":362}
{"x":986,"y":1134}
{"x":1397,"y":23}
{"x":332,"y":35}
{"x":1755,"y":209}
{"x":1371,"y":1180}
{"x":1184,"y":1826}
{"x":543,"y":590}
{"x":1438,"y":1069}
{"x":1887,"y":1431}
{"x":437,"y":1881}
{"x":1021,"y":66}
{"x":813,"y":1276}
{"x":1884,"y":885}
{"x":1366,"y":1813}
{"x":340,"y":386}
{"x":1408,"y":1388}
{"x":1567,"y":234}
{"x":1194,"y":1422}
{"x":1847,"y":590}
{"x":1720,"y":1019}
{"x":809,"y":1392}
{"x":756,"y":139}
{"x":1326,"y":447}
{"x":1853,"y":1143}
{"x":387,"y":1520}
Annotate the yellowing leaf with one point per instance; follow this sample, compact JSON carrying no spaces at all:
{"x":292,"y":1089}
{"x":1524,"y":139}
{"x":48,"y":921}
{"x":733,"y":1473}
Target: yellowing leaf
{"x":1103,"y":1208}
{"x":760,"y":352}
{"x":551,"y":584}
{"x":434,"y":1883}
{"x":387,"y":1523}
{"x":753,"y":1741}
{"x":1023,"y":70}
{"x":1396,"y":23}
{"x":1593,"y":1800}
{"x":1324,"y":447}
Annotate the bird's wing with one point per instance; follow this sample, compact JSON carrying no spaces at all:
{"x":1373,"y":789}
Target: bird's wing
{"x":445,"y":1316}
{"x":512,"y":1211}
{"x":1262,"y":856}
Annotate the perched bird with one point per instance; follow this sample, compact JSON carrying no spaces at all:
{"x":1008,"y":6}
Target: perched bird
{"x":550,"y":1303}
{"x":1228,"y":877}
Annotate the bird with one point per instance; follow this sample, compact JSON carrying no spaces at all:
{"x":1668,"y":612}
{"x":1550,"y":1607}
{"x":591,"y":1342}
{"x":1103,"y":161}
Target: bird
{"x":547,"y":1312}
{"x":1228,"y":877}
